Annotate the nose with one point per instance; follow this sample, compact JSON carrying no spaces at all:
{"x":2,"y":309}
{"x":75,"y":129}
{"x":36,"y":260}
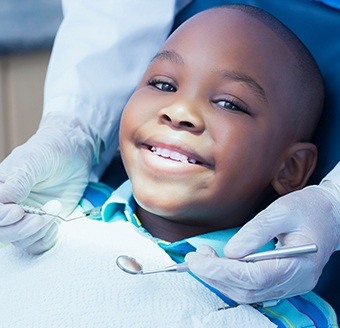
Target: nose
{"x":183,"y":116}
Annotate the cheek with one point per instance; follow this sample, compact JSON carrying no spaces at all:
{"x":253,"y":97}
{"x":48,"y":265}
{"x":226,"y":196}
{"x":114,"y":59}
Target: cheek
{"x":128,"y":128}
{"x":134,"y":115}
{"x":233,"y":139}
{"x":244,"y":154}
{"x":131,"y":110}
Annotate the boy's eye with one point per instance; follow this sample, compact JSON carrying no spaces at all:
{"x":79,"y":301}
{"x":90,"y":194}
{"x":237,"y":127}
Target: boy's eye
{"x":162,"y":85}
{"x":232,"y":106}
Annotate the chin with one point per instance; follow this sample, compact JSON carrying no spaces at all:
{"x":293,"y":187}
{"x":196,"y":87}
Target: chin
{"x":161,"y":208}
{"x":155,"y":198}
{"x":165,"y":210}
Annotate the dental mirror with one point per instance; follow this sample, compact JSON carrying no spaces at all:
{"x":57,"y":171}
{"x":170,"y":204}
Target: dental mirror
{"x":130,"y":265}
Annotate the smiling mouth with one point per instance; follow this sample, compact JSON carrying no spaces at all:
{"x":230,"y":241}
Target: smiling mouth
{"x":173,"y":155}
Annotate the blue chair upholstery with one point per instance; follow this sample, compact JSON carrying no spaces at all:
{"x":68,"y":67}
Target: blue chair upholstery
{"x":318,"y":26}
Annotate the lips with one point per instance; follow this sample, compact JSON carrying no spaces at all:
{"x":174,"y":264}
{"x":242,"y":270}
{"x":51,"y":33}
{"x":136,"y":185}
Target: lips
{"x":175,"y":149}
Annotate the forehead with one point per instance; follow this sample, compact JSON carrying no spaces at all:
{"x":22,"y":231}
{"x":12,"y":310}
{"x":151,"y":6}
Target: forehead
{"x":223,"y":28}
{"x":229,"y":39}
{"x":224,"y":22}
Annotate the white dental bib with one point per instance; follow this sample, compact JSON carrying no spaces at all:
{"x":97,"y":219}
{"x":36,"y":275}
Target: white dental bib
{"x":77,"y":284}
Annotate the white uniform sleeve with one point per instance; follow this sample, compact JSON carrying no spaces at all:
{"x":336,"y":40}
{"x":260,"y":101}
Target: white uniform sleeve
{"x":331,"y":182}
{"x":101,"y":50}
{"x":334,"y":176}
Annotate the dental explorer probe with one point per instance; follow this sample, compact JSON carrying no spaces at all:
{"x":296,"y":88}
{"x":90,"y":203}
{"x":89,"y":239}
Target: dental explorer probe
{"x":93,"y":213}
{"x":38,"y":211}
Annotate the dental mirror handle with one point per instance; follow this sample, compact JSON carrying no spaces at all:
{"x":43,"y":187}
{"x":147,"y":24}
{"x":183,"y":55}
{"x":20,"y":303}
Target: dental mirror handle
{"x":280,"y":253}
{"x":180,"y":267}
{"x":266,"y":255}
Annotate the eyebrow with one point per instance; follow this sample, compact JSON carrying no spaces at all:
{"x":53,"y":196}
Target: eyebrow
{"x":176,"y":58}
{"x":170,"y":55}
{"x":244,"y":78}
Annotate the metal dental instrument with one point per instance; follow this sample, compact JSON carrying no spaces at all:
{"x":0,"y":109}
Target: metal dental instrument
{"x":280,"y":253}
{"x":130,"y":265}
{"x":39,"y":211}
{"x":94,"y":213}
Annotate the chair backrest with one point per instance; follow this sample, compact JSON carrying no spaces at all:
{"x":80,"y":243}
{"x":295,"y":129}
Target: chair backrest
{"x":318,"y":26}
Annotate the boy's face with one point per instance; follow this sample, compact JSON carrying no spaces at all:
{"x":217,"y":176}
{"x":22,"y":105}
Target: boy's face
{"x":203,"y":134}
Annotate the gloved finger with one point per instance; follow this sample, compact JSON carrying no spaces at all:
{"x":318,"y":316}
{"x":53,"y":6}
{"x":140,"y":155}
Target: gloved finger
{"x":10,"y":213}
{"x":24,"y":243}
{"x":53,"y":207}
{"x":43,"y":235}
{"x":294,"y":239}
{"x":247,"y":275}
{"x":212,"y":271}
{"x":46,"y":238}
{"x":231,"y":272}
{"x":253,"y":282}
{"x":298,"y":282}
{"x":16,"y":186}
{"x":24,"y":228}
{"x":238,"y":295}
{"x":206,"y":251}
{"x":46,"y":243}
{"x":257,"y":232}
{"x":30,"y":225}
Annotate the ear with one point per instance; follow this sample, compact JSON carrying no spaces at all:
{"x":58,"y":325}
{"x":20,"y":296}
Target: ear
{"x":296,"y":168}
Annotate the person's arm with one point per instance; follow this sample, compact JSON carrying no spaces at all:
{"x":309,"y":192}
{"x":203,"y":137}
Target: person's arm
{"x":311,"y":215}
{"x":332,"y":184}
{"x":100,"y":52}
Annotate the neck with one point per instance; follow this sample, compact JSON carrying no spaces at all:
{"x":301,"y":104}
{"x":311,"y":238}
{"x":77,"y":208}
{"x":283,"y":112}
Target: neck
{"x":166,"y":229}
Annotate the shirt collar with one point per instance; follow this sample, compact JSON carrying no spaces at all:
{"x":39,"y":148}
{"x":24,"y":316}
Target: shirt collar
{"x":121,"y":200}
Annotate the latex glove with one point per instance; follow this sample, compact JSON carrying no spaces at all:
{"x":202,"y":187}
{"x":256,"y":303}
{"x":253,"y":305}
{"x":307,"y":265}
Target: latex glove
{"x":33,"y":233}
{"x":307,"y":216}
{"x":53,"y":164}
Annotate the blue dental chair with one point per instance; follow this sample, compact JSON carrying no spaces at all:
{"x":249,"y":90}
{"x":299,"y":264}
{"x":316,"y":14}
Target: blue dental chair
{"x":318,"y":26}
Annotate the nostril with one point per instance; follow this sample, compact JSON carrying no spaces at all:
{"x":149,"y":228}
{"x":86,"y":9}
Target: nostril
{"x":186,"y":124}
{"x":167,"y":118}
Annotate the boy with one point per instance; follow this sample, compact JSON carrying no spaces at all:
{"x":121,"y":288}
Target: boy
{"x":221,"y":119}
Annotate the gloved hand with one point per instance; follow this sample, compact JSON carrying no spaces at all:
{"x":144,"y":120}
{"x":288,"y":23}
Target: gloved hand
{"x":35,"y":233}
{"x":54,"y":163}
{"x":311,"y":215}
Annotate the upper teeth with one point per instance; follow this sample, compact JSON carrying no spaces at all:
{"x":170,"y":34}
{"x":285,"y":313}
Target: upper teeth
{"x":167,"y":153}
